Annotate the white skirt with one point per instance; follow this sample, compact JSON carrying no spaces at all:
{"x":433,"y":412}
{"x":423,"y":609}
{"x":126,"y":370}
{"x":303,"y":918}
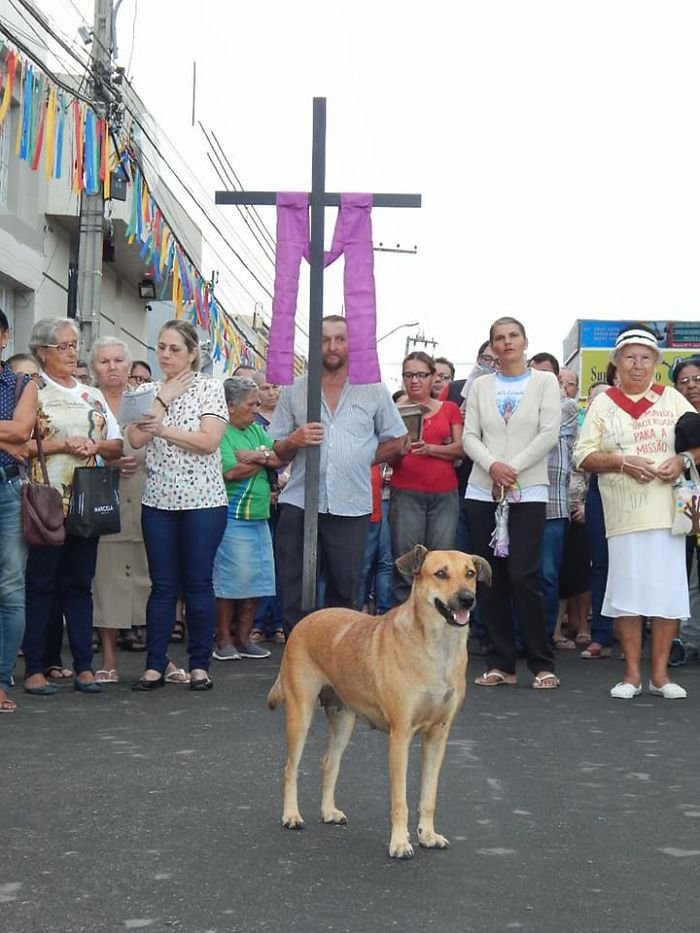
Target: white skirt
{"x":646,"y":575}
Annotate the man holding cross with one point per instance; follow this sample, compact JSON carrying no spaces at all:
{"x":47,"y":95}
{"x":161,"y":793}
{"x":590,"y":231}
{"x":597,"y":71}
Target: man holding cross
{"x":360,"y":425}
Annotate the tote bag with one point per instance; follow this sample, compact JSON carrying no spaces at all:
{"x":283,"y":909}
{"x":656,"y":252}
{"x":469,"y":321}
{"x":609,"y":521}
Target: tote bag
{"x":93,"y":509}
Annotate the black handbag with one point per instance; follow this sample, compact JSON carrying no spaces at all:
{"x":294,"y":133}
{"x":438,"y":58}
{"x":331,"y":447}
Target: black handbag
{"x":93,"y":509}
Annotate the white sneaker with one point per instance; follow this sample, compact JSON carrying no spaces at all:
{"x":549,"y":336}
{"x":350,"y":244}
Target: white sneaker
{"x":623,"y":691}
{"x":669,"y":691}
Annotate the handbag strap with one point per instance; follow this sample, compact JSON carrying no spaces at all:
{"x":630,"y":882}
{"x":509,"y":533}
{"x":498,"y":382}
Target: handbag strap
{"x":690,"y":466}
{"x":19,"y":386}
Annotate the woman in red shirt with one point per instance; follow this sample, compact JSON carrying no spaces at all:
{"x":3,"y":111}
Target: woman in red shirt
{"x":424,"y":505}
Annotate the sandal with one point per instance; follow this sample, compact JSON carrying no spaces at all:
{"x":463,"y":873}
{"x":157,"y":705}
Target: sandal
{"x":58,"y":673}
{"x":177,"y":676}
{"x":256,"y":636}
{"x":595,"y":651}
{"x":547,"y":680}
{"x":178,"y":634}
{"x":278,"y":637}
{"x":7,"y":706}
{"x":495,"y":678}
{"x":583,"y":639}
{"x":107,"y":676}
{"x":564,"y":644}
{"x":132,"y":641}
{"x":201,"y":683}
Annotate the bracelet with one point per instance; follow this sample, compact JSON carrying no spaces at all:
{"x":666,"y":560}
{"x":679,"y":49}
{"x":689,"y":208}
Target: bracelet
{"x":622,"y":467}
{"x":159,"y":399}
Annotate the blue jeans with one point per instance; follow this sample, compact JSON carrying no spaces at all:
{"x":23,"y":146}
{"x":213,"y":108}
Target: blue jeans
{"x":378,"y":564}
{"x":60,"y":575}
{"x":550,"y":566}
{"x":180,"y":547}
{"x":601,"y":626}
{"x":427,"y":518}
{"x":13,"y":559}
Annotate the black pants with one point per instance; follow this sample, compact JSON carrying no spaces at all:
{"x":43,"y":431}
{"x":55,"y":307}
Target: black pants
{"x":341,"y":549}
{"x":515,"y":587}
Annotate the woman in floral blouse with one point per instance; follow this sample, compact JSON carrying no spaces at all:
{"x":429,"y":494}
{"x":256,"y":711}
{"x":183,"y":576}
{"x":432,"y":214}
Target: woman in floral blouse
{"x":184,"y":502}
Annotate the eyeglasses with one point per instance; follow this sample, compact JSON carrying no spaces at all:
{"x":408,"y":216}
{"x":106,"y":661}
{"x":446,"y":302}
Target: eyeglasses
{"x":489,"y":360}
{"x":686,"y":380}
{"x":63,"y":347}
{"x":571,"y":385}
{"x":139,"y":379}
{"x":422,"y":376}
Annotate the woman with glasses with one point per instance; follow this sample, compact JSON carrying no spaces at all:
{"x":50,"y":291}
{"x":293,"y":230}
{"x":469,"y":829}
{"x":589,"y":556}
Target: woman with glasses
{"x":184,"y":503}
{"x":139,"y":373}
{"x":512,"y":422}
{"x":76,"y":427}
{"x":424,"y":504}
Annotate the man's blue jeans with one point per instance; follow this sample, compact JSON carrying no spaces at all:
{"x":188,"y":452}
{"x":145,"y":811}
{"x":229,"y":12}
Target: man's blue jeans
{"x":13,"y":559}
{"x":181,"y":546}
{"x":378,"y":564}
{"x":601,"y":626}
{"x":551,"y":556}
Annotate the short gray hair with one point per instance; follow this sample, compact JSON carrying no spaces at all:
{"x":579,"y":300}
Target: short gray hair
{"x":237,"y":387}
{"x":45,"y":332}
{"x":103,"y":342}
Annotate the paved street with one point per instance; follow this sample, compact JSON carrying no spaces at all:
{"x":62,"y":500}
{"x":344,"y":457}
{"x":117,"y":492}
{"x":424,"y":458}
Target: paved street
{"x":566,"y":810}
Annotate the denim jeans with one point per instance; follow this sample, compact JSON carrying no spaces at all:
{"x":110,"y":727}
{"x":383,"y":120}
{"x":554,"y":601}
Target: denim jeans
{"x":378,"y":564}
{"x":13,"y":559}
{"x":62,"y":574}
{"x":180,"y":547}
{"x":428,"y":518}
{"x":601,"y":626}
{"x":550,"y":567}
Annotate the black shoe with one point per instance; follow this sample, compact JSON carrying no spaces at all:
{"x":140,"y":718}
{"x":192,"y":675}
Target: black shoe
{"x":677,"y":655}
{"x":90,"y":686}
{"x":201,"y":683}
{"x":146,"y":685}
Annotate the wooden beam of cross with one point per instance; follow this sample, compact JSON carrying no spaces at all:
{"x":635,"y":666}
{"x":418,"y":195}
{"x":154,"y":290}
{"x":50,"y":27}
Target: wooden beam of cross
{"x":319,"y":199}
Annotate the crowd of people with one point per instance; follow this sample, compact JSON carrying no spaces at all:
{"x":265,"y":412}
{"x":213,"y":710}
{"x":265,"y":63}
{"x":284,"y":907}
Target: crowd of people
{"x":567,"y":506}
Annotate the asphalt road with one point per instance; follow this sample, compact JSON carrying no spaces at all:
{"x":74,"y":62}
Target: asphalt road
{"x":566,"y":811}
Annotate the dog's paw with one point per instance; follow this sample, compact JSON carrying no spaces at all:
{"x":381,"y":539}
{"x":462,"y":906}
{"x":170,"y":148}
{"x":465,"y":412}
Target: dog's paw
{"x":334,"y":816}
{"x":432,"y":840}
{"x":293,"y":822}
{"x":401,"y":850}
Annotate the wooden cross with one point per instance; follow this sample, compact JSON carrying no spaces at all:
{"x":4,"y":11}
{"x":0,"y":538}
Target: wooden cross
{"x":319,"y":199}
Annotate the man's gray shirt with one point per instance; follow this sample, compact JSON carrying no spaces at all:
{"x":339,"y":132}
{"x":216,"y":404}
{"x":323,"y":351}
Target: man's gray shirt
{"x":364,"y":416}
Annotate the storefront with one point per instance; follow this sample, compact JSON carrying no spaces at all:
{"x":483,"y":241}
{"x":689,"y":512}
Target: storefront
{"x":588,"y":345}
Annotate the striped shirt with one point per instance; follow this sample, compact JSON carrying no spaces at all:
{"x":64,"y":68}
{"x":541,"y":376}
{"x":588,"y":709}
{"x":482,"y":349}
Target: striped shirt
{"x":559,"y":461}
{"x":364,"y":416}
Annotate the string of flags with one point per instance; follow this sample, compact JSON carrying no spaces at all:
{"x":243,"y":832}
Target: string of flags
{"x":55,"y":128}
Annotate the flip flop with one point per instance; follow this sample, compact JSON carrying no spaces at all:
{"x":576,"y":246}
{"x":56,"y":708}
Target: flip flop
{"x":107,"y":676}
{"x":7,"y":705}
{"x":177,"y":676}
{"x":57,"y":673}
{"x":547,"y":680}
{"x":564,"y":644}
{"x":496,"y":678}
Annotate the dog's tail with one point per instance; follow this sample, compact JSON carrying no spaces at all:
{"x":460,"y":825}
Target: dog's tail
{"x":276,"y":694}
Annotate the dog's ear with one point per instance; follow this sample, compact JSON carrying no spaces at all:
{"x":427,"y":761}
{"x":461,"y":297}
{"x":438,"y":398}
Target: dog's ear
{"x":483,"y":569}
{"x":409,"y":565}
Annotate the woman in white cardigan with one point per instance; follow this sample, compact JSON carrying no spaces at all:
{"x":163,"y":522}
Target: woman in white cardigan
{"x":512,"y":422}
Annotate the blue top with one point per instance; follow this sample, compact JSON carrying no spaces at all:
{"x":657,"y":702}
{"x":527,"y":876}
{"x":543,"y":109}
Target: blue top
{"x":8,"y":381}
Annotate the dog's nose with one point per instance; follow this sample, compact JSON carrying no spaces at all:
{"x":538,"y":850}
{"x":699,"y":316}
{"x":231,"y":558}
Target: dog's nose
{"x":465,"y":599}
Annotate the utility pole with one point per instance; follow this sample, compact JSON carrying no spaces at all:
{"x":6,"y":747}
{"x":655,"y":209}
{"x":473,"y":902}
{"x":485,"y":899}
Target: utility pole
{"x":419,"y":338}
{"x":92,"y":205}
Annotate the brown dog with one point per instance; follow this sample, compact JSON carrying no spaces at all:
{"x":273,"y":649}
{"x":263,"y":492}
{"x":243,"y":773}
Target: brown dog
{"x":404,"y":672}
